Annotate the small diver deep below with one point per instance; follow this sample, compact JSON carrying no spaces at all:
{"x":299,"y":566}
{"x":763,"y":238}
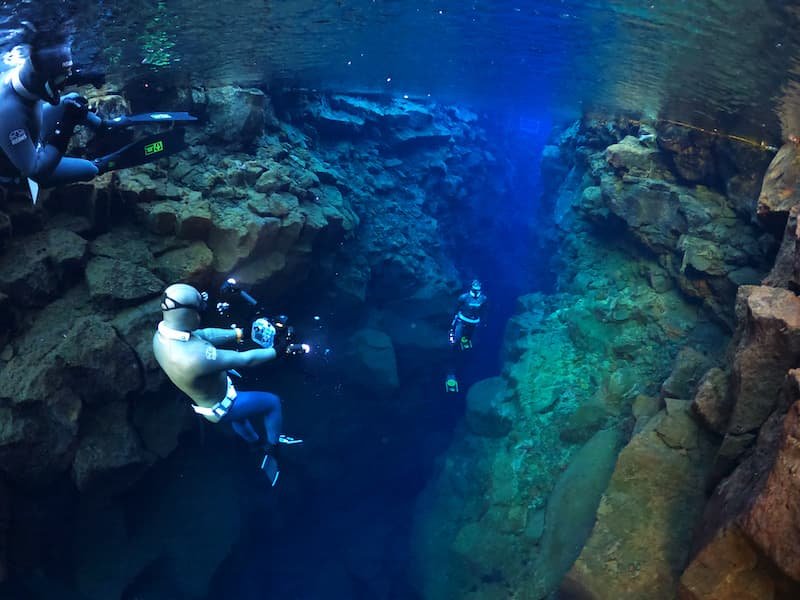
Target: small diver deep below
{"x":190,"y":358}
{"x":37,"y":122}
{"x":470,"y":308}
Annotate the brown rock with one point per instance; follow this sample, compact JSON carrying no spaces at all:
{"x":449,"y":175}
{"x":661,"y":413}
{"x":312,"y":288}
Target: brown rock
{"x":119,"y":282}
{"x":487,"y":412}
{"x":237,"y":234}
{"x":194,"y":219}
{"x":729,"y":568}
{"x":136,"y":326}
{"x":690,"y":151}
{"x":123,"y":244}
{"x":110,"y":454}
{"x":640,"y":541}
{"x":645,"y":406}
{"x":631,"y":157}
{"x":276,"y":178}
{"x":36,"y":269}
{"x":572,"y":507}
{"x":687,"y":370}
{"x":161,"y":217}
{"x":776,"y":510}
{"x":748,"y":523}
{"x":711,"y":403}
{"x":768,"y":347}
{"x":779,"y":191}
{"x":786,"y":271}
{"x":191,"y":263}
{"x":159,"y":420}
{"x":236,"y":115}
{"x":277,"y":204}
{"x":99,"y":364}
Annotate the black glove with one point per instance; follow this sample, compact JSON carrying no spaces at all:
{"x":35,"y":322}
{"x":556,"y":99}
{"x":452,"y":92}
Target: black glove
{"x":75,"y":110}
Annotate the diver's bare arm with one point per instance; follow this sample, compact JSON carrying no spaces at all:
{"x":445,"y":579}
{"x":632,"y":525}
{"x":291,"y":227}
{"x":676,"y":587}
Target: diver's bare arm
{"x":224,"y":360}
{"x":220,"y":337}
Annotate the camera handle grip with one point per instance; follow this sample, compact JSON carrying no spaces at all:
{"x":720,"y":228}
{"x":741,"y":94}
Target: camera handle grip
{"x":248,"y":298}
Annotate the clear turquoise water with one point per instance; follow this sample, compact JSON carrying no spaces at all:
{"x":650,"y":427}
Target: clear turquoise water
{"x":714,"y":64}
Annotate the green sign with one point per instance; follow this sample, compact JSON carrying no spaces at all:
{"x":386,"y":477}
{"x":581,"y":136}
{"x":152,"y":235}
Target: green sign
{"x":154,"y":148}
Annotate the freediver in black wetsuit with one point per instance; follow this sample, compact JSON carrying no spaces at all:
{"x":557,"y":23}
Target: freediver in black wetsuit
{"x":471,"y":306}
{"x":34,"y":135}
{"x":36,"y":124}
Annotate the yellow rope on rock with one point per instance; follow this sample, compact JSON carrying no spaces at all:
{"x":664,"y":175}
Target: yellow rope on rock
{"x":736,"y":138}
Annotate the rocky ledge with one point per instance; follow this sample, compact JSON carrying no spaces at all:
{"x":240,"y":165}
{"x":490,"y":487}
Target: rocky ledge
{"x":276,"y":197}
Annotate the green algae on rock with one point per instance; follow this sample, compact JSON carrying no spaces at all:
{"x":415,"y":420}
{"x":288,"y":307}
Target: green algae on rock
{"x":638,"y":250}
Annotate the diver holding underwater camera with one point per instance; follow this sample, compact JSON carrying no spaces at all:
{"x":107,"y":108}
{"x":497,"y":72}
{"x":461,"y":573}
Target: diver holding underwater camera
{"x":191,"y":359}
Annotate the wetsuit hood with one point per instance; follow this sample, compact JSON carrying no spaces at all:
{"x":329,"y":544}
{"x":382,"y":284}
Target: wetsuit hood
{"x":181,"y":306}
{"x":45,"y":71}
{"x":475,"y":289}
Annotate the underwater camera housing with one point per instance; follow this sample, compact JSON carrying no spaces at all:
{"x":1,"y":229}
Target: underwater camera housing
{"x":263,"y":333}
{"x":267,"y":332}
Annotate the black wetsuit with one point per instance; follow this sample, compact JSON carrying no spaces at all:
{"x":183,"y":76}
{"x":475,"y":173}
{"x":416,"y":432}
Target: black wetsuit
{"x":468,"y":315}
{"x":25,"y":125}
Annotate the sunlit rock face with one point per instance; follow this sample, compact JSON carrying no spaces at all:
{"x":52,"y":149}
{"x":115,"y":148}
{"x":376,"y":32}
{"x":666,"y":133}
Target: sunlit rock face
{"x":696,"y":233}
{"x":654,"y":244}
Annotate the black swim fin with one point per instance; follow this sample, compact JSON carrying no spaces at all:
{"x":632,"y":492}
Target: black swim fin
{"x":153,"y":118}
{"x":289,"y":440}
{"x":450,"y":383}
{"x":270,"y":467}
{"x":144,"y":150}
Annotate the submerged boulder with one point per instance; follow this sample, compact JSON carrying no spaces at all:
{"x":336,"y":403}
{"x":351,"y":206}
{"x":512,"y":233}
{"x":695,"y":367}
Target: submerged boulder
{"x":768,"y":347}
{"x":689,"y":367}
{"x":639,"y":544}
{"x":488,"y":412}
{"x":744,"y":537}
{"x":712,"y":402}
{"x":572,"y":506}
{"x":371,"y":360}
{"x":120,"y":545}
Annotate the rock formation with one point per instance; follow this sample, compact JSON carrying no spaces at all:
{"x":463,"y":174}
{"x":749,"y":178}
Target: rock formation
{"x":648,"y":268}
{"x":338,"y":195}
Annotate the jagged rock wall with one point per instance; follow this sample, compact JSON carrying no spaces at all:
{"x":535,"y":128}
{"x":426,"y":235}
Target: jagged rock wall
{"x":275,"y":199}
{"x":747,"y":412}
{"x":655,"y":241}
{"x":742,"y":547}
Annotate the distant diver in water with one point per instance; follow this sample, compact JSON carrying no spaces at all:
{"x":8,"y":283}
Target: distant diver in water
{"x":37,"y":122}
{"x":190,"y":358}
{"x":470,"y":308}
